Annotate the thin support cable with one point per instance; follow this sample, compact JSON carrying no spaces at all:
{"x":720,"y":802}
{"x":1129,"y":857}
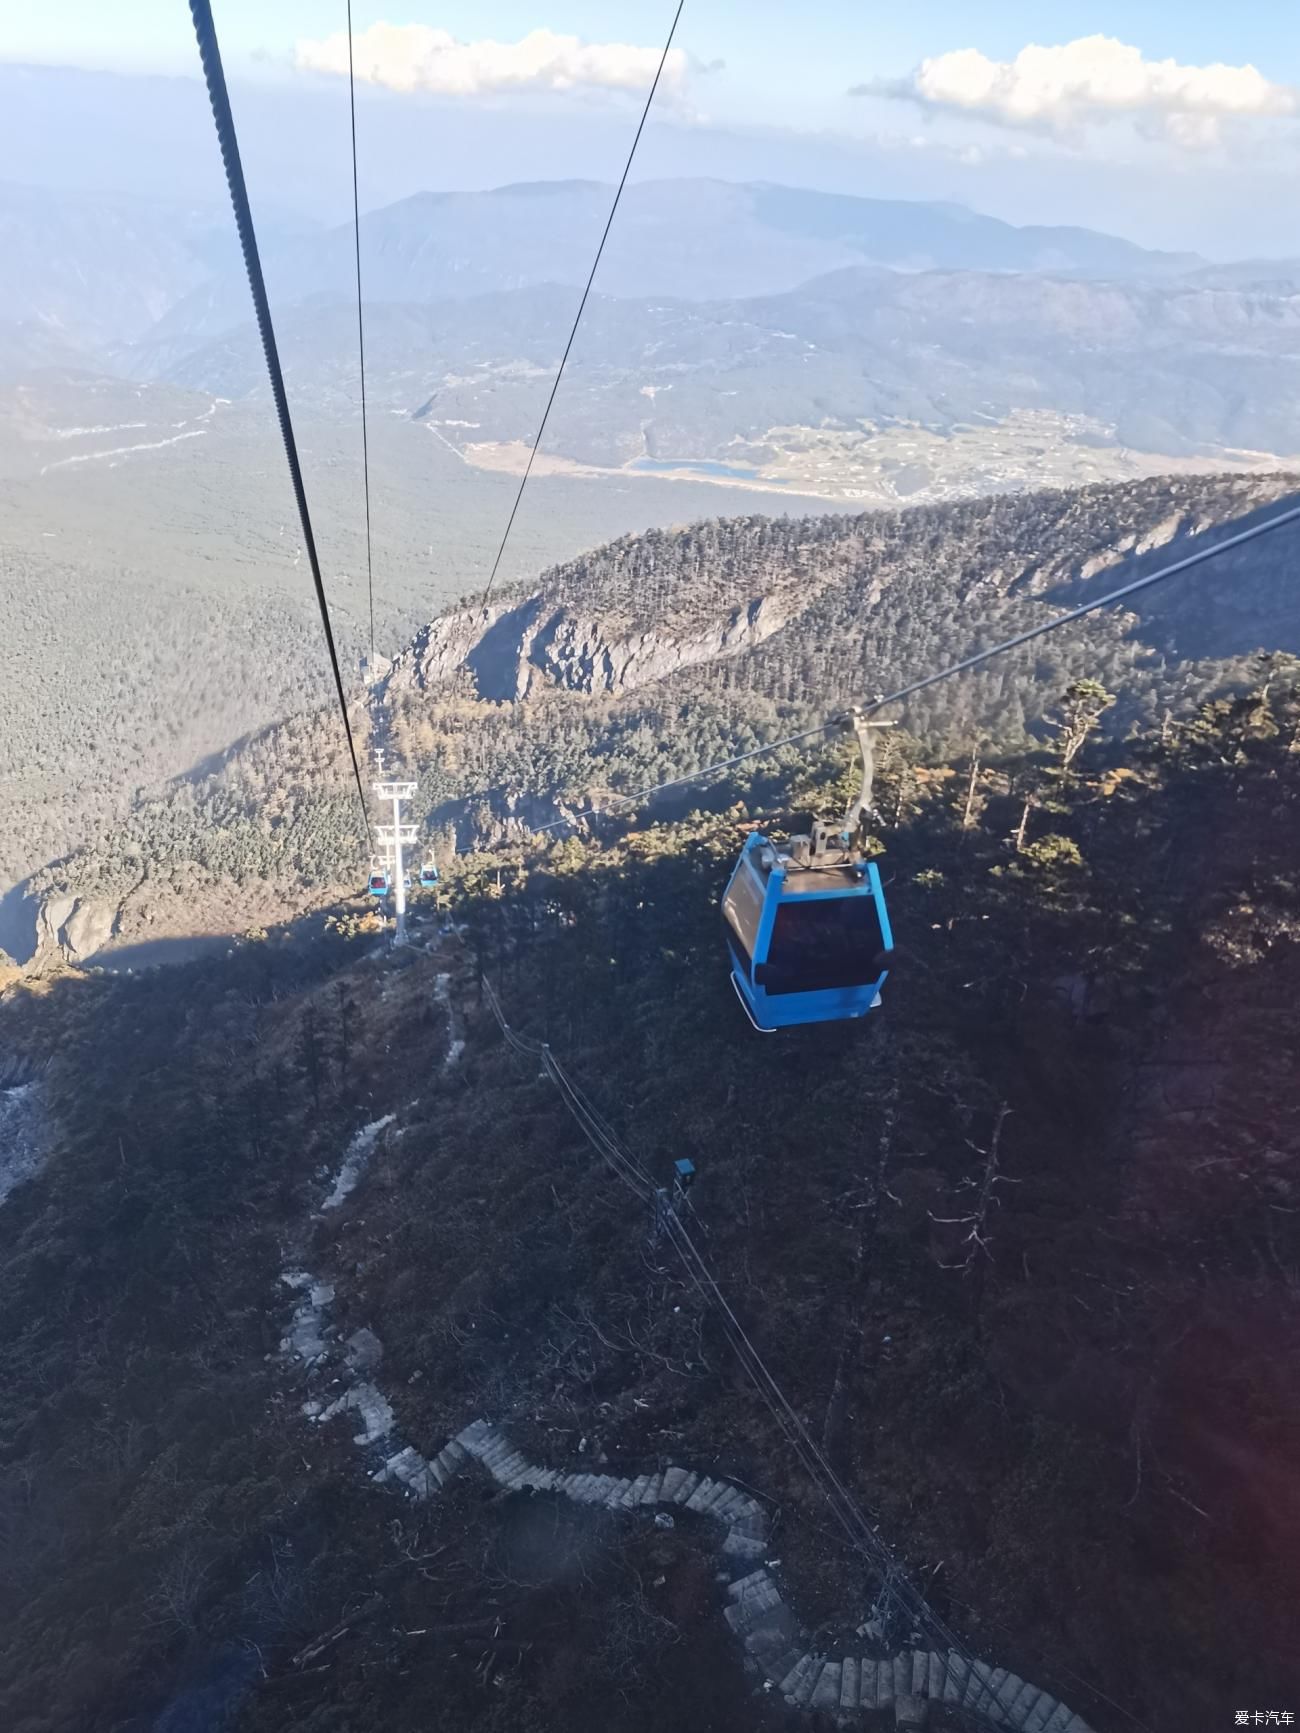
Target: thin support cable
{"x":627,"y":1167}
{"x":361,"y":345}
{"x":844,"y":719}
{"x":210,"y":55}
{"x":858,"y":1530}
{"x":595,"y":265}
{"x":859,"y":1533}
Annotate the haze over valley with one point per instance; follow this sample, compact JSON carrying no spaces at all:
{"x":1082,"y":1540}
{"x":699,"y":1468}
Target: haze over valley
{"x":749,"y":347}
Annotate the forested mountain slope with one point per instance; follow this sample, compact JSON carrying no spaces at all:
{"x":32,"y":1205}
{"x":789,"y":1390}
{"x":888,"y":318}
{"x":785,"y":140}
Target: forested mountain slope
{"x":1019,"y":1250}
{"x":659,"y":654}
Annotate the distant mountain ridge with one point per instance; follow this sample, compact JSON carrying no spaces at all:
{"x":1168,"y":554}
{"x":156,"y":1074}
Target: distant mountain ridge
{"x":109,"y":269}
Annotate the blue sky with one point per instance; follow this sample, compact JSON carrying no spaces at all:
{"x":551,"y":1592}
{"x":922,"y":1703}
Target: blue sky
{"x":1162,"y":133}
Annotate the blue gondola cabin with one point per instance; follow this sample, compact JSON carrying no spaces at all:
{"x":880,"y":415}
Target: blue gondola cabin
{"x":377,"y":884}
{"x":808,"y":931}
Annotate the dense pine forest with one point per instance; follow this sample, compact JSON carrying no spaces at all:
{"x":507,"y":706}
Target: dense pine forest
{"x":1020,"y":1249}
{"x":658,"y":654}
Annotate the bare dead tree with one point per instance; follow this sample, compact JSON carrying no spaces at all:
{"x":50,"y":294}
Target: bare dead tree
{"x":972,"y":786}
{"x":175,"y":1600}
{"x":982,"y":1187}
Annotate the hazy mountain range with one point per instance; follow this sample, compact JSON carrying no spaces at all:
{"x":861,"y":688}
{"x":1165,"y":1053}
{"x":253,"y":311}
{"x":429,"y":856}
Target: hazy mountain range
{"x":99,"y":269}
{"x":854,"y":348}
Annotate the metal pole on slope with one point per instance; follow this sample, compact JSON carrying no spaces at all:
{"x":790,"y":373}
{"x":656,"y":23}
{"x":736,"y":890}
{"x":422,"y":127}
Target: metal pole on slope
{"x":394,"y":836}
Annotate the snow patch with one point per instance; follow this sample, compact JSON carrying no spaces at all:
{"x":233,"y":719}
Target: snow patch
{"x":455,"y":1040}
{"x":306,"y":1338}
{"x":24,"y":1135}
{"x":123,"y":450}
{"x":354,"y":1161}
{"x":83,"y":432}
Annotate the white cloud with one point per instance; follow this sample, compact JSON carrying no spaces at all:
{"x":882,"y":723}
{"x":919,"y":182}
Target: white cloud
{"x":1095,"y":77}
{"x":411,"y":57}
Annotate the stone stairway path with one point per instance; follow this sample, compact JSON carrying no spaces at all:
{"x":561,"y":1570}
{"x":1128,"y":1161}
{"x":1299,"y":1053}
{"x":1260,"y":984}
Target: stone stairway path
{"x":904,"y":1684}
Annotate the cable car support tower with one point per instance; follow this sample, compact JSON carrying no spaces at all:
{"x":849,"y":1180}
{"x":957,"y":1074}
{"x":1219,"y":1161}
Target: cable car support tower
{"x":394,"y":837}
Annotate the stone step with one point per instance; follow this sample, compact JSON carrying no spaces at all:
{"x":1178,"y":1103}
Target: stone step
{"x":755,"y":1604}
{"x":802,"y":1693}
{"x":686,"y":1490}
{"x":438,"y":1473}
{"x":849,"y":1683}
{"x":919,"y":1680}
{"x":726,"y":1506}
{"x":453,"y":1454}
{"x":770,"y":1638}
{"x":654,"y":1486}
{"x":739,"y":1587}
{"x":955,"y":1678}
{"x":867,"y":1682}
{"x":636,"y":1490}
{"x":706,"y":1490}
{"x":674,"y":1480}
{"x":1023,"y":1706}
{"x":742,"y":1618}
{"x":884,"y":1682}
{"x":910,"y":1711}
{"x":1041,"y":1713}
{"x":826,"y":1692}
{"x":780,"y":1667}
{"x":742,"y":1546}
{"x":762,"y":1595}
{"x":982,"y":1692}
{"x":1061,"y":1720}
{"x":794,"y":1679}
{"x":755,"y":1527}
{"x":616,"y":1497}
{"x":1007,"y":1692}
{"x":903,"y":1674}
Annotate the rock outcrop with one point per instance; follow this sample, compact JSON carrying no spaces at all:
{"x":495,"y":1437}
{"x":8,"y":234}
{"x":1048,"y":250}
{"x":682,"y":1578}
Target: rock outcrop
{"x":513,"y":649}
{"x":76,"y":927}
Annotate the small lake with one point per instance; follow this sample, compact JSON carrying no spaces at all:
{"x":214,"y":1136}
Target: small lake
{"x":701,"y":466}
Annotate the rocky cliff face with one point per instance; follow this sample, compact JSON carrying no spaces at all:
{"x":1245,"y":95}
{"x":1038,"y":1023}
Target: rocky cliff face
{"x":512,"y":649}
{"x":76,"y":926}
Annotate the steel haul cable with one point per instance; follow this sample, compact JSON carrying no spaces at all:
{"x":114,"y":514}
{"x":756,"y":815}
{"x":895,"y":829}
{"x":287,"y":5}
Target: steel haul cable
{"x":577,"y":320}
{"x":361,"y":345}
{"x":1196,"y":558}
{"x":210,"y":55}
